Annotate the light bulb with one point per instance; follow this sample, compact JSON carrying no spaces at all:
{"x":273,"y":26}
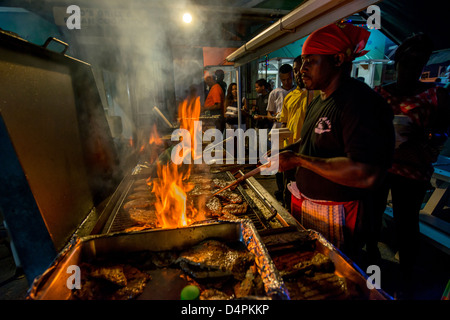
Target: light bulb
{"x":187,"y":18}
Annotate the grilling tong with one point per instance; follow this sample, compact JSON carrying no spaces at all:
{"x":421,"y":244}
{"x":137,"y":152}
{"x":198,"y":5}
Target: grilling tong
{"x":240,"y":179}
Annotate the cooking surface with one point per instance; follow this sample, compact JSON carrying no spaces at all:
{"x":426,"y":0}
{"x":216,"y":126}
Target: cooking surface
{"x":137,"y":193}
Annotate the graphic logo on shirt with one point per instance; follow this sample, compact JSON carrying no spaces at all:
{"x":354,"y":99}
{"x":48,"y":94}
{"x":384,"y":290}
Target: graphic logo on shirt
{"x":323,"y":125}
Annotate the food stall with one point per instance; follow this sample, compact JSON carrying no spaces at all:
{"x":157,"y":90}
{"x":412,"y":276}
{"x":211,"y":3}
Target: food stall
{"x":65,"y":197}
{"x":154,"y":227}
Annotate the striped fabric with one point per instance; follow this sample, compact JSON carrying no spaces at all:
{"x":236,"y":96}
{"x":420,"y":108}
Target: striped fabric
{"x":325,"y":217}
{"x":329,"y":220}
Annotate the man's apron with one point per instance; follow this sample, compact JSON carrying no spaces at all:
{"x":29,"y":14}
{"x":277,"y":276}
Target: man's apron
{"x":329,"y":218}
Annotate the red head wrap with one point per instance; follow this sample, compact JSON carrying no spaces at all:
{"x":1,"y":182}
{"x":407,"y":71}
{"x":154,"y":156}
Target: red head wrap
{"x":337,"y":38}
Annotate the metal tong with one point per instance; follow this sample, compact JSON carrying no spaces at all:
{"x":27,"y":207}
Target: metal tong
{"x":240,"y":179}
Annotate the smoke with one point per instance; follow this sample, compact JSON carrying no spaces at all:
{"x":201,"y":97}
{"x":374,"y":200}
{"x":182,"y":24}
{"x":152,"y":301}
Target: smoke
{"x":129,"y":47}
{"x":144,"y":55}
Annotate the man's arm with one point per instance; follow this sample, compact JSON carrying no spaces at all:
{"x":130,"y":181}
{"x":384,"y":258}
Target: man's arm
{"x":270,"y":116}
{"x":271,"y":107}
{"x":341,"y":170}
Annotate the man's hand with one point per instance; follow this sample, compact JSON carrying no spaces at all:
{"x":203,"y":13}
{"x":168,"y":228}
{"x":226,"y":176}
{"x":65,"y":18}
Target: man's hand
{"x":283,"y":161}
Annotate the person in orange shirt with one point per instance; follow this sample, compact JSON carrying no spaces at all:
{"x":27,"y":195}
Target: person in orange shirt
{"x":214,"y":100}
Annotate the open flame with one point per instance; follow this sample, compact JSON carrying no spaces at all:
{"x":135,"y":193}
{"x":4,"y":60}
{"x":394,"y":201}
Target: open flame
{"x":154,"y":146}
{"x":188,"y":113}
{"x":171,"y":196}
{"x":172,"y":186}
{"x":155,"y":139}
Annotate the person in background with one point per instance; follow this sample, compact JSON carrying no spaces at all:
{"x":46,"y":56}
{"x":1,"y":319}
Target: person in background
{"x":231,"y":105}
{"x":214,"y":101}
{"x":220,"y":75}
{"x":346,"y":142}
{"x":259,"y":110}
{"x":274,"y":107}
{"x":276,"y":96}
{"x":292,"y":117}
{"x":422,"y":118}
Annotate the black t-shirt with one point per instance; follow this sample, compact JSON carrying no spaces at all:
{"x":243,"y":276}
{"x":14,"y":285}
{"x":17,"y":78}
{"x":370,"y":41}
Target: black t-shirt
{"x":353,"y":122}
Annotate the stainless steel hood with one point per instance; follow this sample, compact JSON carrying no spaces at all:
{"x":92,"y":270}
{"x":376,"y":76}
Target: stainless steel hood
{"x":57,"y":155}
{"x":310,"y":16}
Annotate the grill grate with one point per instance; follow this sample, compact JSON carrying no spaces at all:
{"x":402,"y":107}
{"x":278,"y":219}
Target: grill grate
{"x":122,"y":221}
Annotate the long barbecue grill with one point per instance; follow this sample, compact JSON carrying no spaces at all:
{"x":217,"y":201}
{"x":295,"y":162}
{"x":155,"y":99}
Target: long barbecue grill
{"x":63,"y":199}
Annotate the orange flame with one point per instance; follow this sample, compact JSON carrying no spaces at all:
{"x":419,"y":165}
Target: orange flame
{"x":171,"y":197}
{"x":188,"y":113}
{"x":172,"y":186}
{"x":154,"y":136}
{"x":154,"y":144}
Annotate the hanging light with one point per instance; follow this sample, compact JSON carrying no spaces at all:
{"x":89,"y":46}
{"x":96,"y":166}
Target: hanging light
{"x":187,"y":18}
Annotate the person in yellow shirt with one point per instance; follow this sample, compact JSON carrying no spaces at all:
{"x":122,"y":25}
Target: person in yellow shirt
{"x":292,"y":117}
{"x":295,"y":105}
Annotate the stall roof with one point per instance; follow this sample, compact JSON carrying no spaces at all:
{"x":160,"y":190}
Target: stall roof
{"x":297,"y":24}
{"x":399,"y":19}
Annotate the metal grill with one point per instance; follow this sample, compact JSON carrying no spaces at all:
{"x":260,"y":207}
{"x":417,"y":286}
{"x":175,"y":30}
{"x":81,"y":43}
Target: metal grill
{"x":120,"y":220}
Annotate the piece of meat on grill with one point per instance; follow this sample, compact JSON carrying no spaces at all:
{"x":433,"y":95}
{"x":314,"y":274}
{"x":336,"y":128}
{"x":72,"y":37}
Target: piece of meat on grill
{"x":318,"y":263}
{"x":219,"y":183}
{"x":213,"y":294}
{"x":228,"y":196}
{"x":113,"y":274}
{"x":144,"y":216}
{"x":110,"y":282}
{"x":141,"y":195}
{"x":212,"y":258}
{"x":252,"y":285}
{"x":320,"y":286}
{"x":137,"y":281}
{"x":141,"y":182}
{"x":200,"y":191}
{"x":140,"y":203}
{"x":200,"y":180}
{"x":143,"y":187}
{"x":235,"y":208}
{"x":213,"y":207}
